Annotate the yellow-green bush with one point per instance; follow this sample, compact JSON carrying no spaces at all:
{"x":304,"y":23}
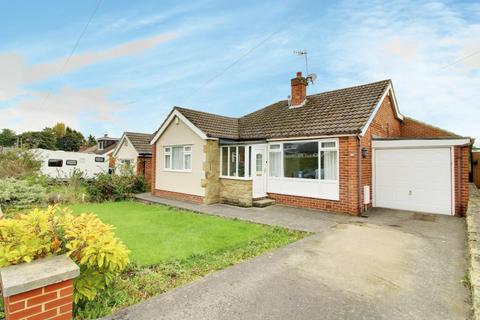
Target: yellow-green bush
{"x":87,"y":240}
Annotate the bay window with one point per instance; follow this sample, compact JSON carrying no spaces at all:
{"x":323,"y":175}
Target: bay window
{"x":304,"y":160}
{"x":233,"y":161}
{"x":178,"y":158}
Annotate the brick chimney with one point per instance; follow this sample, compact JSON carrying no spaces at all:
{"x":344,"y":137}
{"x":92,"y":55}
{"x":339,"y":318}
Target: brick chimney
{"x":299,"y":89}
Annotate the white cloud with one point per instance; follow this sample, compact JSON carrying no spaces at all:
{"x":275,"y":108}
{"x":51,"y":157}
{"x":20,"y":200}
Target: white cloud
{"x":418,"y":47}
{"x":15,"y":72}
{"x":69,"y":106}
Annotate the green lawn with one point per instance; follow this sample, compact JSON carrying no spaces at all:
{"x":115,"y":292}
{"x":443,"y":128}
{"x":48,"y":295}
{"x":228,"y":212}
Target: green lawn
{"x":157,"y":233}
{"x":172,"y":247}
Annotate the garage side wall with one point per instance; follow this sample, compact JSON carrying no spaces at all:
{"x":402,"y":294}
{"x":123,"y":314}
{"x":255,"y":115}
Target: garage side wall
{"x":384,"y":125}
{"x":412,"y":128}
{"x":461,"y":203}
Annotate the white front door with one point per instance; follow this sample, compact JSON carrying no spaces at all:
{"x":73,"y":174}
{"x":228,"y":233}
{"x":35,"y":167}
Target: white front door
{"x":414,"y":179}
{"x":259,"y":170}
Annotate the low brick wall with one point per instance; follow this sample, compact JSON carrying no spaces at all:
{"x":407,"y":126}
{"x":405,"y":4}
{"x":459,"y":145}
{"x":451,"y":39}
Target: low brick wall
{"x":178,"y":196}
{"x":473,"y":238}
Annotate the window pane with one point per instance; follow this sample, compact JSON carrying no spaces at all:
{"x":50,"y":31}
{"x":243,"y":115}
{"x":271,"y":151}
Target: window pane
{"x":259,"y":163}
{"x":224,"y":161}
{"x":99,"y":159}
{"x":250,"y":161}
{"x":167,"y":161}
{"x":328,"y":144}
{"x":274,"y":147}
{"x":55,"y":163}
{"x":188,"y":161}
{"x":177,"y":158}
{"x":71,"y":162}
{"x":241,"y":161}
{"x":328,"y":165}
{"x":300,"y":160}
{"x":233,"y":161}
{"x":275,"y":164}
{"x":188,"y":148}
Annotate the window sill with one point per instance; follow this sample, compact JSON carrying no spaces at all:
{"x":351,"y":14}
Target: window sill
{"x":173,"y":170}
{"x":236,"y":178}
{"x":305,"y":180}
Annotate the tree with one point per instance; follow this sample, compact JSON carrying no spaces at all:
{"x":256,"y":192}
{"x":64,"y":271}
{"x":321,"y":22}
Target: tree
{"x":44,"y":139}
{"x":59,"y":130}
{"x":91,"y":141}
{"x":71,"y":141}
{"x":8,"y":138}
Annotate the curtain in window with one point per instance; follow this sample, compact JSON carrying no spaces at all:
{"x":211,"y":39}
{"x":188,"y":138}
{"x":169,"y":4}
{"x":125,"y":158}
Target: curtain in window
{"x":177,"y":158}
{"x":329,"y":165}
{"x":188,"y":162}
{"x":274,"y":169}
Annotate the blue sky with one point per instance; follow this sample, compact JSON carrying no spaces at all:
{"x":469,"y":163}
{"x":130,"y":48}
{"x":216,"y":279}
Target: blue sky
{"x":138,"y":59}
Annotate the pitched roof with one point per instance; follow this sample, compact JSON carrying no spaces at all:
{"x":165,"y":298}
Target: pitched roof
{"x":140,"y":141}
{"x":211,"y":124}
{"x":342,"y":111}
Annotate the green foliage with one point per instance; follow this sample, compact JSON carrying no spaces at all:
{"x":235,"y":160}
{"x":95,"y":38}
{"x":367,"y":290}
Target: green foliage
{"x":19,"y":194}
{"x":88,"y":241}
{"x":44,"y":139}
{"x":91,"y":141}
{"x":72,"y":140}
{"x":18,"y":164}
{"x":113,"y":187}
{"x":139,"y":283}
{"x":74,"y":190}
{"x":8,"y":138}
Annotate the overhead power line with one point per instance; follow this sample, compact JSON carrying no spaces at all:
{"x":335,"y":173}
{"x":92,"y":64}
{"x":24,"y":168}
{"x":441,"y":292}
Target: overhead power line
{"x":62,"y":70}
{"x":461,"y":59}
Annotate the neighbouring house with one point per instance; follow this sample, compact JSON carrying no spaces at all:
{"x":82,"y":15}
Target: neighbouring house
{"x":343,"y":151}
{"x":105,"y":147}
{"x":476,"y":166}
{"x":135,"y":152}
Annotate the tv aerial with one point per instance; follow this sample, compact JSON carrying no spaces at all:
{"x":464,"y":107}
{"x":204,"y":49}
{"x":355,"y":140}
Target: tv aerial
{"x":310,"y":77}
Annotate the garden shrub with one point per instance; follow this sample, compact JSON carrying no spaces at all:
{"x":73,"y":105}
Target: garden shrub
{"x":20,"y":194}
{"x":115,"y":187}
{"x":53,"y":231}
{"x":18,"y":164}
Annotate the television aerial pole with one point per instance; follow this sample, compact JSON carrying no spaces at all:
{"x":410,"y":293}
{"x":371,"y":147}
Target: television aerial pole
{"x":305,"y":54}
{"x":310,"y":77}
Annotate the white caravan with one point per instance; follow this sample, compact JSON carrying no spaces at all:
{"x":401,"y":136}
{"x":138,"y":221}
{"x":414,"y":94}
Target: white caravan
{"x":62,"y":164}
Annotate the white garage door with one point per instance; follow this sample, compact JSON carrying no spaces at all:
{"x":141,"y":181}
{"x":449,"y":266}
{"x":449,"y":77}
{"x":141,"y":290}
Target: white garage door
{"x":414,"y":179}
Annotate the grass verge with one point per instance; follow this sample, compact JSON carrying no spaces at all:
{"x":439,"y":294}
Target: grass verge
{"x":138,"y":283}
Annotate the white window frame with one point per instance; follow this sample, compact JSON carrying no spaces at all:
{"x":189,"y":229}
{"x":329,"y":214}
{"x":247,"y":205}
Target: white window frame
{"x":168,"y":150}
{"x":247,"y":162}
{"x":320,"y":148}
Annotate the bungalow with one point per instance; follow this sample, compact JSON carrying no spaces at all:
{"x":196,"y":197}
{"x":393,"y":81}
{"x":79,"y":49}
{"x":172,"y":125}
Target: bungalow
{"x":134,"y":151}
{"x":343,"y":151}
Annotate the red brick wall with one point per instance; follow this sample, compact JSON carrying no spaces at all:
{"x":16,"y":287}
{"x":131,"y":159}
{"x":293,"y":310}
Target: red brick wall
{"x":476,"y":168}
{"x":178,"y":196}
{"x":462,"y":203}
{"x":348,"y":202}
{"x":416,"y":129}
{"x":144,"y":168}
{"x":384,"y":125}
{"x":52,"y":302}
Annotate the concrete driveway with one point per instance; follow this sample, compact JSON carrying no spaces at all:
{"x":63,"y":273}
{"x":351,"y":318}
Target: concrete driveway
{"x":392,"y":265}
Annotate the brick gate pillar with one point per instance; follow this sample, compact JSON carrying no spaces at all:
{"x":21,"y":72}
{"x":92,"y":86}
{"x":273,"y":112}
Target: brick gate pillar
{"x":39,"y":290}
